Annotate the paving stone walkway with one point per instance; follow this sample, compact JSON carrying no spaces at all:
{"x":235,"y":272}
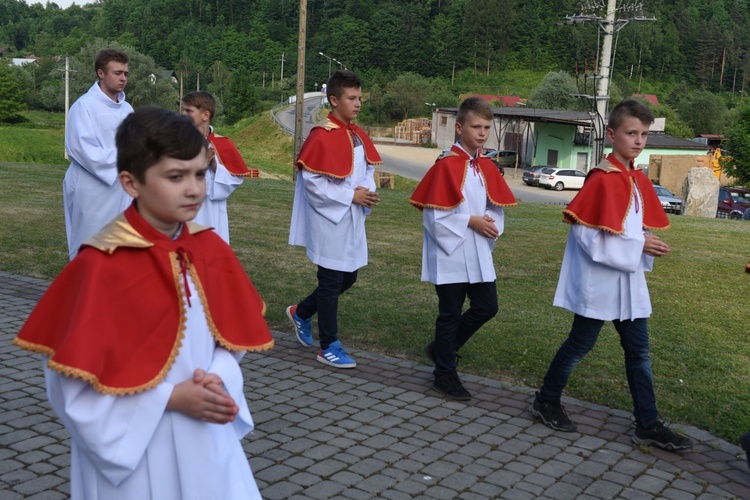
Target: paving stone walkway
{"x":378,"y":432}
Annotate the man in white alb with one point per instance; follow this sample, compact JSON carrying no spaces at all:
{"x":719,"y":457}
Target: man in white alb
{"x":91,"y":193}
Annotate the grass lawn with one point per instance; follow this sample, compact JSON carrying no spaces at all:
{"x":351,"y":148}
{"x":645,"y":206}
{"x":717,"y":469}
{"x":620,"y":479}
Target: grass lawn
{"x":699,"y":335}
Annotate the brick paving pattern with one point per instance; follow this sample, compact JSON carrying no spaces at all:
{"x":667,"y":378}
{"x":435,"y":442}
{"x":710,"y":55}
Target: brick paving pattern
{"x":377,"y":431}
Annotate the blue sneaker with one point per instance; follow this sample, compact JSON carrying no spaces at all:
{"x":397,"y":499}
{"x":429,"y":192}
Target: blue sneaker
{"x":302,"y":327}
{"x":336,"y":356}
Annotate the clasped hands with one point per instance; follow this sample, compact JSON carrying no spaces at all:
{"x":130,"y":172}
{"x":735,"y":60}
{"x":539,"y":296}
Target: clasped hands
{"x":484,"y":225}
{"x":203,"y":398}
{"x":365,"y":197}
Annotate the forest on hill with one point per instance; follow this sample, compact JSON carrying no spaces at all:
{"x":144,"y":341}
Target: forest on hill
{"x":693,"y":54}
{"x":702,"y":43}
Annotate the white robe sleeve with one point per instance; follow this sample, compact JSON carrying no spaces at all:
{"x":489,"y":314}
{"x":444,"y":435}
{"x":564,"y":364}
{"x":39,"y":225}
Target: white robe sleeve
{"x":222,"y":184}
{"x":446,"y":227}
{"x":330,"y":198}
{"x":618,"y":251}
{"x":83,"y":144}
{"x":225,"y":364}
{"x":113,"y":432}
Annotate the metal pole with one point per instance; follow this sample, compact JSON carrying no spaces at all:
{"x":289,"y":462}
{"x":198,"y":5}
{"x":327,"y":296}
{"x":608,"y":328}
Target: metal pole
{"x":300,"y":82}
{"x":67,"y":97}
{"x":602,"y":93}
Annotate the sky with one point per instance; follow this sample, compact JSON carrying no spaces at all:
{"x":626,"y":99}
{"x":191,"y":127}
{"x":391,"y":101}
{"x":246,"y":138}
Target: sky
{"x":61,"y":3}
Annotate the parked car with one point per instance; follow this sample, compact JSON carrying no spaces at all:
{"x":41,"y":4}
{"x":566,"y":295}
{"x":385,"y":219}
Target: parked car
{"x":733,"y":202}
{"x":562,"y":178}
{"x":506,"y":158}
{"x":531,"y":176}
{"x":669,"y":202}
{"x":492,"y":153}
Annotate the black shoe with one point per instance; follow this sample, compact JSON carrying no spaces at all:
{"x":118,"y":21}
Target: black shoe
{"x":553,"y":415}
{"x":661,"y":436}
{"x":745,"y":444}
{"x":429,"y":351}
{"x":450,"y":386}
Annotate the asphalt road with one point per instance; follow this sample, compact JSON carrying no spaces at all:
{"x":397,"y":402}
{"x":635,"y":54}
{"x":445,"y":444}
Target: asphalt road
{"x":413,"y":161}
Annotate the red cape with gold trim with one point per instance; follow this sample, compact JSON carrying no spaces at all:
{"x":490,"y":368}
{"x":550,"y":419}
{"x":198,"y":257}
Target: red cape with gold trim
{"x":441,"y":186}
{"x":115,"y":315}
{"x":228,"y":155}
{"x":604,"y":200}
{"x":329,"y":149}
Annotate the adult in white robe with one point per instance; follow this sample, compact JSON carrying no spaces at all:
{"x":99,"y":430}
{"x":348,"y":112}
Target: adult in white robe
{"x":131,"y":447}
{"x":92,"y":194}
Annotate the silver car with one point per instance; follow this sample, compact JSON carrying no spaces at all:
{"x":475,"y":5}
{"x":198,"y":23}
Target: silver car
{"x":671,"y":203}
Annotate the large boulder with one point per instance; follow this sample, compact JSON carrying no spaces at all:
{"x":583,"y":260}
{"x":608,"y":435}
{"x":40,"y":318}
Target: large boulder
{"x":700,"y":190}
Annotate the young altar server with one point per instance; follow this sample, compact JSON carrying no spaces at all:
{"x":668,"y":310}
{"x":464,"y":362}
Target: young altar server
{"x":610,"y":247}
{"x":462,"y":198}
{"x":142,"y":333}
{"x":92,"y":194}
{"x":226,"y":168}
{"x":335,"y":192}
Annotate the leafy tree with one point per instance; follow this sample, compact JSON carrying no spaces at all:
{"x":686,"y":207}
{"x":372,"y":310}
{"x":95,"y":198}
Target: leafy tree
{"x":405,"y":96}
{"x":555,"y":92}
{"x":241,"y":97}
{"x":11,"y":95}
{"x":738,"y":164}
{"x":703,"y":111}
{"x":673,"y":125}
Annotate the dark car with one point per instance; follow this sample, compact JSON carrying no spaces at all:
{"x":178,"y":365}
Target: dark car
{"x":669,"y":202}
{"x":491,"y":153}
{"x":531,"y":175}
{"x":506,"y":158}
{"x":733,"y":202}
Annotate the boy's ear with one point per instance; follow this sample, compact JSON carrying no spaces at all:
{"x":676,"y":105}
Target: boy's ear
{"x":458,"y":128}
{"x":129,"y":183}
{"x":610,"y":135}
{"x":333,"y":101}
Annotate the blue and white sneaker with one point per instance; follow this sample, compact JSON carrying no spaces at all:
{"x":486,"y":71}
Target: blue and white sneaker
{"x":336,"y":356}
{"x":302,"y":327}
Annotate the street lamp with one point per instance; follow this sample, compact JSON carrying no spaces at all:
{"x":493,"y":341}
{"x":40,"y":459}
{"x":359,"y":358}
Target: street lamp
{"x":339,"y":63}
{"x":329,"y":63}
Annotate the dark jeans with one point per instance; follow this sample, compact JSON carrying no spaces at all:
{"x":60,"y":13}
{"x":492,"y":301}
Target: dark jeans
{"x":453,"y":329}
{"x":634,"y":342}
{"x":324,"y":301}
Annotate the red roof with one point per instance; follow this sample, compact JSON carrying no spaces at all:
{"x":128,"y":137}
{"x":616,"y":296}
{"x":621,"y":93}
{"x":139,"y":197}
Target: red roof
{"x":507,"y":100}
{"x":650,"y":97}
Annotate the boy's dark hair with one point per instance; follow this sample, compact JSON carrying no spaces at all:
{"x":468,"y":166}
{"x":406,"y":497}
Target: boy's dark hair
{"x":201,"y":99}
{"x":340,"y":80}
{"x":626,"y":108}
{"x":103,"y":57}
{"x":151,"y":133}
{"x":475,"y":105}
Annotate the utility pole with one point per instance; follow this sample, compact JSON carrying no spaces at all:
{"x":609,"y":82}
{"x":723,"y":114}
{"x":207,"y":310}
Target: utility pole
{"x":282,"y":67}
{"x":604,"y":13}
{"x":302,"y":38}
{"x":67,"y":97}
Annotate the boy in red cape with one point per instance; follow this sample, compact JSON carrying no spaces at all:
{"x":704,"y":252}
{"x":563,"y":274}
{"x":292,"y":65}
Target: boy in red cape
{"x":610,"y":246}
{"x":461,"y":198}
{"x":142,"y":333}
{"x":226,"y":168}
{"x":335,"y":192}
